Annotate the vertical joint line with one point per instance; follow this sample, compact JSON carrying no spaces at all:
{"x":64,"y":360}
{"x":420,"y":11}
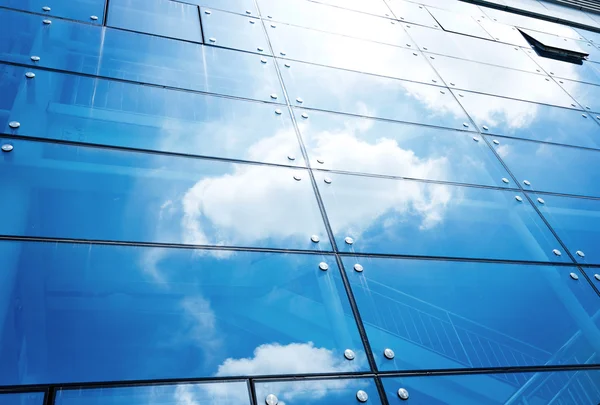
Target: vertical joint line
{"x":252,"y":392}
{"x":105,"y":19}
{"x":50,"y":395}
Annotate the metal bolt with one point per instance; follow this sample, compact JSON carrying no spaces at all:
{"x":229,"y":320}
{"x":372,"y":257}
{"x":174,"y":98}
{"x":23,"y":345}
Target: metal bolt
{"x":465,"y":125}
{"x":304,"y":115}
{"x":251,"y":21}
{"x":323,"y":266}
{"x":442,"y":91}
{"x":35,"y":58}
{"x":547,"y":79}
{"x":274,"y":96}
{"x":291,"y":157}
{"x":476,"y":139}
{"x":587,"y":107}
{"x":47,"y":22}
{"x":389,"y":354}
{"x":93,"y":17}
{"x":519,"y":198}
{"x":416,"y":54}
{"x":299,"y":100}
{"x":212,"y":39}
{"x":297,"y":177}
{"x":432,"y":57}
{"x":349,"y":354}
{"x":526,"y":182}
{"x":46,"y":8}
{"x":207,"y":11}
{"x":327,"y":180}
{"x":273,"y":26}
{"x":485,"y":128}
{"x":358,"y":268}
{"x":348,"y":240}
{"x":259,"y":49}
{"x":282,"y":53}
{"x":433,"y":80}
{"x":574,"y":276}
{"x":314,"y":238}
{"x":278,"y":111}
{"x":461,"y":95}
{"x":287,"y":65}
{"x":14,"y":124}
{"x":362,"y":396}
{"x":263,"y":60}
{"x":402,"y":394}
{"x":505,"y":180}
{"x":573,"y":105}
{"x":580,"y":253}
{"x":452,"y":84}
{"x":320,"y":161}
{"x":271,"y":400}
{"x":248,"y":12}
{"x":7,"y":147}
{"x":496,"y":142}
{"x":584,"y":116}
{"x":30,"y":75}
{"x":541,"y":200}
{"x":597,"y":276}
{"x":556,"y":252}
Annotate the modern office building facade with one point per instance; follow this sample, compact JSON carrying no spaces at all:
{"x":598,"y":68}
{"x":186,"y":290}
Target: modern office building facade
{"x":299,"y":202}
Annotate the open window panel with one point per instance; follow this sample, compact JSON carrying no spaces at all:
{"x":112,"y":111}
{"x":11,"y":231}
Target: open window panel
{"x":555,"y":47}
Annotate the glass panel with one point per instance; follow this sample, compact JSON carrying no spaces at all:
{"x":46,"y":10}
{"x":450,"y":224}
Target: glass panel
{"x":413,"y":218}
{"x":558,"y":387}
{"x":453,"y":315}
{"x":373,"y":96}
{"x":588,"y":95}
{"x":28,"y":398}
{"x":234,"y":31}
{"x":532,"y":6}
{"x":504,"y":33}
{"x":159,"y":17}
{"x":376,"y":7}
{"x":570,"y":14}
{"x":551,"y":168}
{"x":126,"y":55}
{"x":576,"y":222}
{"x":333,"y":19}
{"x":594,"y":275}
{"x":462,"y":46}
{"x":319,"y":392}
{"x":350,"y":53}
{"x":530,"y":23}
{"x":500,"y":81}
{"x":128,"y":313}
{"x":412,"y":13}
{"x":460,"y":23}
{"x":364,"y":145}
{"x":591,"y":36}
{"x":454,"y":5}
{"x":553,"y":41}
{"x":81,"y":10}
{"x":586,"y":72}
{"x":520,"y":119}
{"x":97,"y":111}
{"x":65,"y":191}
{"x":246,"y":7}
{"x":205,"y":393}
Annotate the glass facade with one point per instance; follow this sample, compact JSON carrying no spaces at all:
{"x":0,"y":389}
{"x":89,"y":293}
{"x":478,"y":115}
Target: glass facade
{"x":248,"y":202}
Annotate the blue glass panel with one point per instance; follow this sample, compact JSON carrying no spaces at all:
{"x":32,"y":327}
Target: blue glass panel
{"x":351,"y":53}
{"x":218,"y":393}
{"x":594,"y":275}
{"x":531,"y":23}
{"x":559,"y":387}
{"x":465,"y":47}
{"x":591,"y":36}
{"x":66,"y":191}
{"x":372,"y":96}
{"x":158,"y":17}
{"x":413,"y":218}
{"x":452,"y":315}
{"x":364,"y":145}
{"x":375,"y":7}
{"x":130,"y":56}
{"x":498,"y":81}
{"x":128,"y":313}
{"x":29,"y":398}
{"x":326,"y":18}
{"x":234,"y":31}
{"x":459,"y":23}
{"x":504,"y":33}
{"x":97,"y":111}
{"x":552,"y":168}
{"x":456,"y":6}
{"x":246,"y":7}
{"x":570,"y":14}
{"x":82,"y":10}
{"x":319,"y":392}
{"x":525,"y":120}
{"x":553,"y":41}
{"x":576,"y":222}
{"x":412,"y":13}
{"x":588,"y":95}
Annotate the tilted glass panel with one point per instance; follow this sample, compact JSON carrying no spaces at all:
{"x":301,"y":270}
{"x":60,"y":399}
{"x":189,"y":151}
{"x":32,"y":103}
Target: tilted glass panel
{"x":234,"y":31}
{"x":531,"y":23}
{"x":591,"y":36}
{"x":322,"y":17}
{"x":588,"y":72}
{"x":356,"y":93}
{"x":562,"y":387}
{"x":588,"y":95}
{"x":376,"y":7}
{"x":364,"y":145}
{"x":159,"y":17}
{"x":520,"y":119}
{"x":407,"y":217}
{"x":26,"y":398}
{"x":412,"y":13}
{"x":350,"y":53}
{"x":551,"y":168}
{"x":460,"y":23}
{"x":504,"y":33}
{"x":129,"y":313}
{"x":576,"y":222}
{"x":474,"y":49}
{"x":114,"y":53}
{"x":246,"y":7}
{"x":64,"y":191}
{"x":82,"y":10}
{"x":98,"y":111}
{"x":215,"y":393}
{"x":498,"y":81}
{"x":454,"y":315}
{"x":549,"y":40}
{"x":320,"y":392}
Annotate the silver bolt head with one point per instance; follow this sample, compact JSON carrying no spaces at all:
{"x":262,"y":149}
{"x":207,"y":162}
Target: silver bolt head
{"x":274,"y":96}
{"x":278,"y":111}
{"x":327,"y":180}
{"x":580,"y":253}
{"x":314,"y":238}
{"x":389,"y":353}
{"x":297,"y":177}
{"x":362,"y":396}
{"x":273,"y":26}
{"x":597,"y":276}
{"x":485,"y":127}
{"x":505,"y":180}
{"x":47,"y":22}
{"x":259,"y":49}
{"x":263,"y":60}
{"x":584,"y":116}
{"x":304,"y":115}
{"x":476,"y":139}
{"x":93,"y":17}
{"x":207,"y":11}
{"x":251,"y":21}
{"x":320,"y":161}
{"x":30,"y":75}
{"x":358,"y":267}
{"x":349,"y":354}
{"x":35,"y":58}
{"x":323,"y":266}
{"x":291,"y":157}
{"x":212,"y":39}
{"x":496,"y":142}
{"x":287,"y":65}
{"x":465,"y":125}
{"x":574,"y":276}
{"x":403,"y":394}
{"x":7,"y":147}
{"x":299,"y":100}
{"x":14,"y":124}
{"x":248,"y":12}
{"x":46,"y":8}
{"x":556,"y":252}
{"x":526,"y":182}
{"x":348,"y":240}
{"x":541,"y":200}
{"x":271,"y":400}
{"x":282,"y":53}
{"x":519,"y":198}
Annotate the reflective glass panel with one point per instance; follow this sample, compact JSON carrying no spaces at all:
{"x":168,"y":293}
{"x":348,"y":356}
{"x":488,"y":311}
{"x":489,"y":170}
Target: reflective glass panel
{"x":570,"y":14}
{"x":438,"y":315}
{"x":129,"y":313}
{"x":576,"y":222}
{"x":81,"y":10}
{"x":474,"y":49}
{"x":413,"y":218}
{"x":562,"y":387}
{"x":126,"y":55}
{"x":158,"y":17}
{"x":594,"y":275}
{"x":588,"y":95}
{"x":504,"y":33}
{"x":412,"y":13}
{"x":500,"y":81}
{"x":531,"y":23}
{"x":365,"y":145}
{"x":376,"y":7}
{"x":27,"y":398}
{"x":551,"y":168}
{"x":351,"y":53}
{"x":98,"y":111}
{"x":234,"y":31}
{"x":319,"y":392}
{"x":553,"y":41}
{"x":65,"y":191}
{"x":217,"y":393}
{"x":373,"y":96}
{"x":589,"y":35}
{"x":460,"y":23}
{"x":246,"y":7}
{"x":456,"y":6}
{"x":529,"y":5}
{"x":520,"y":119}
{"x":322,"y":17}
{"x":588,"y":72}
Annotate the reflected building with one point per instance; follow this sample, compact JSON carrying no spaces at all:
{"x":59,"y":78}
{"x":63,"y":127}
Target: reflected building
{"x":278,"y":202}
